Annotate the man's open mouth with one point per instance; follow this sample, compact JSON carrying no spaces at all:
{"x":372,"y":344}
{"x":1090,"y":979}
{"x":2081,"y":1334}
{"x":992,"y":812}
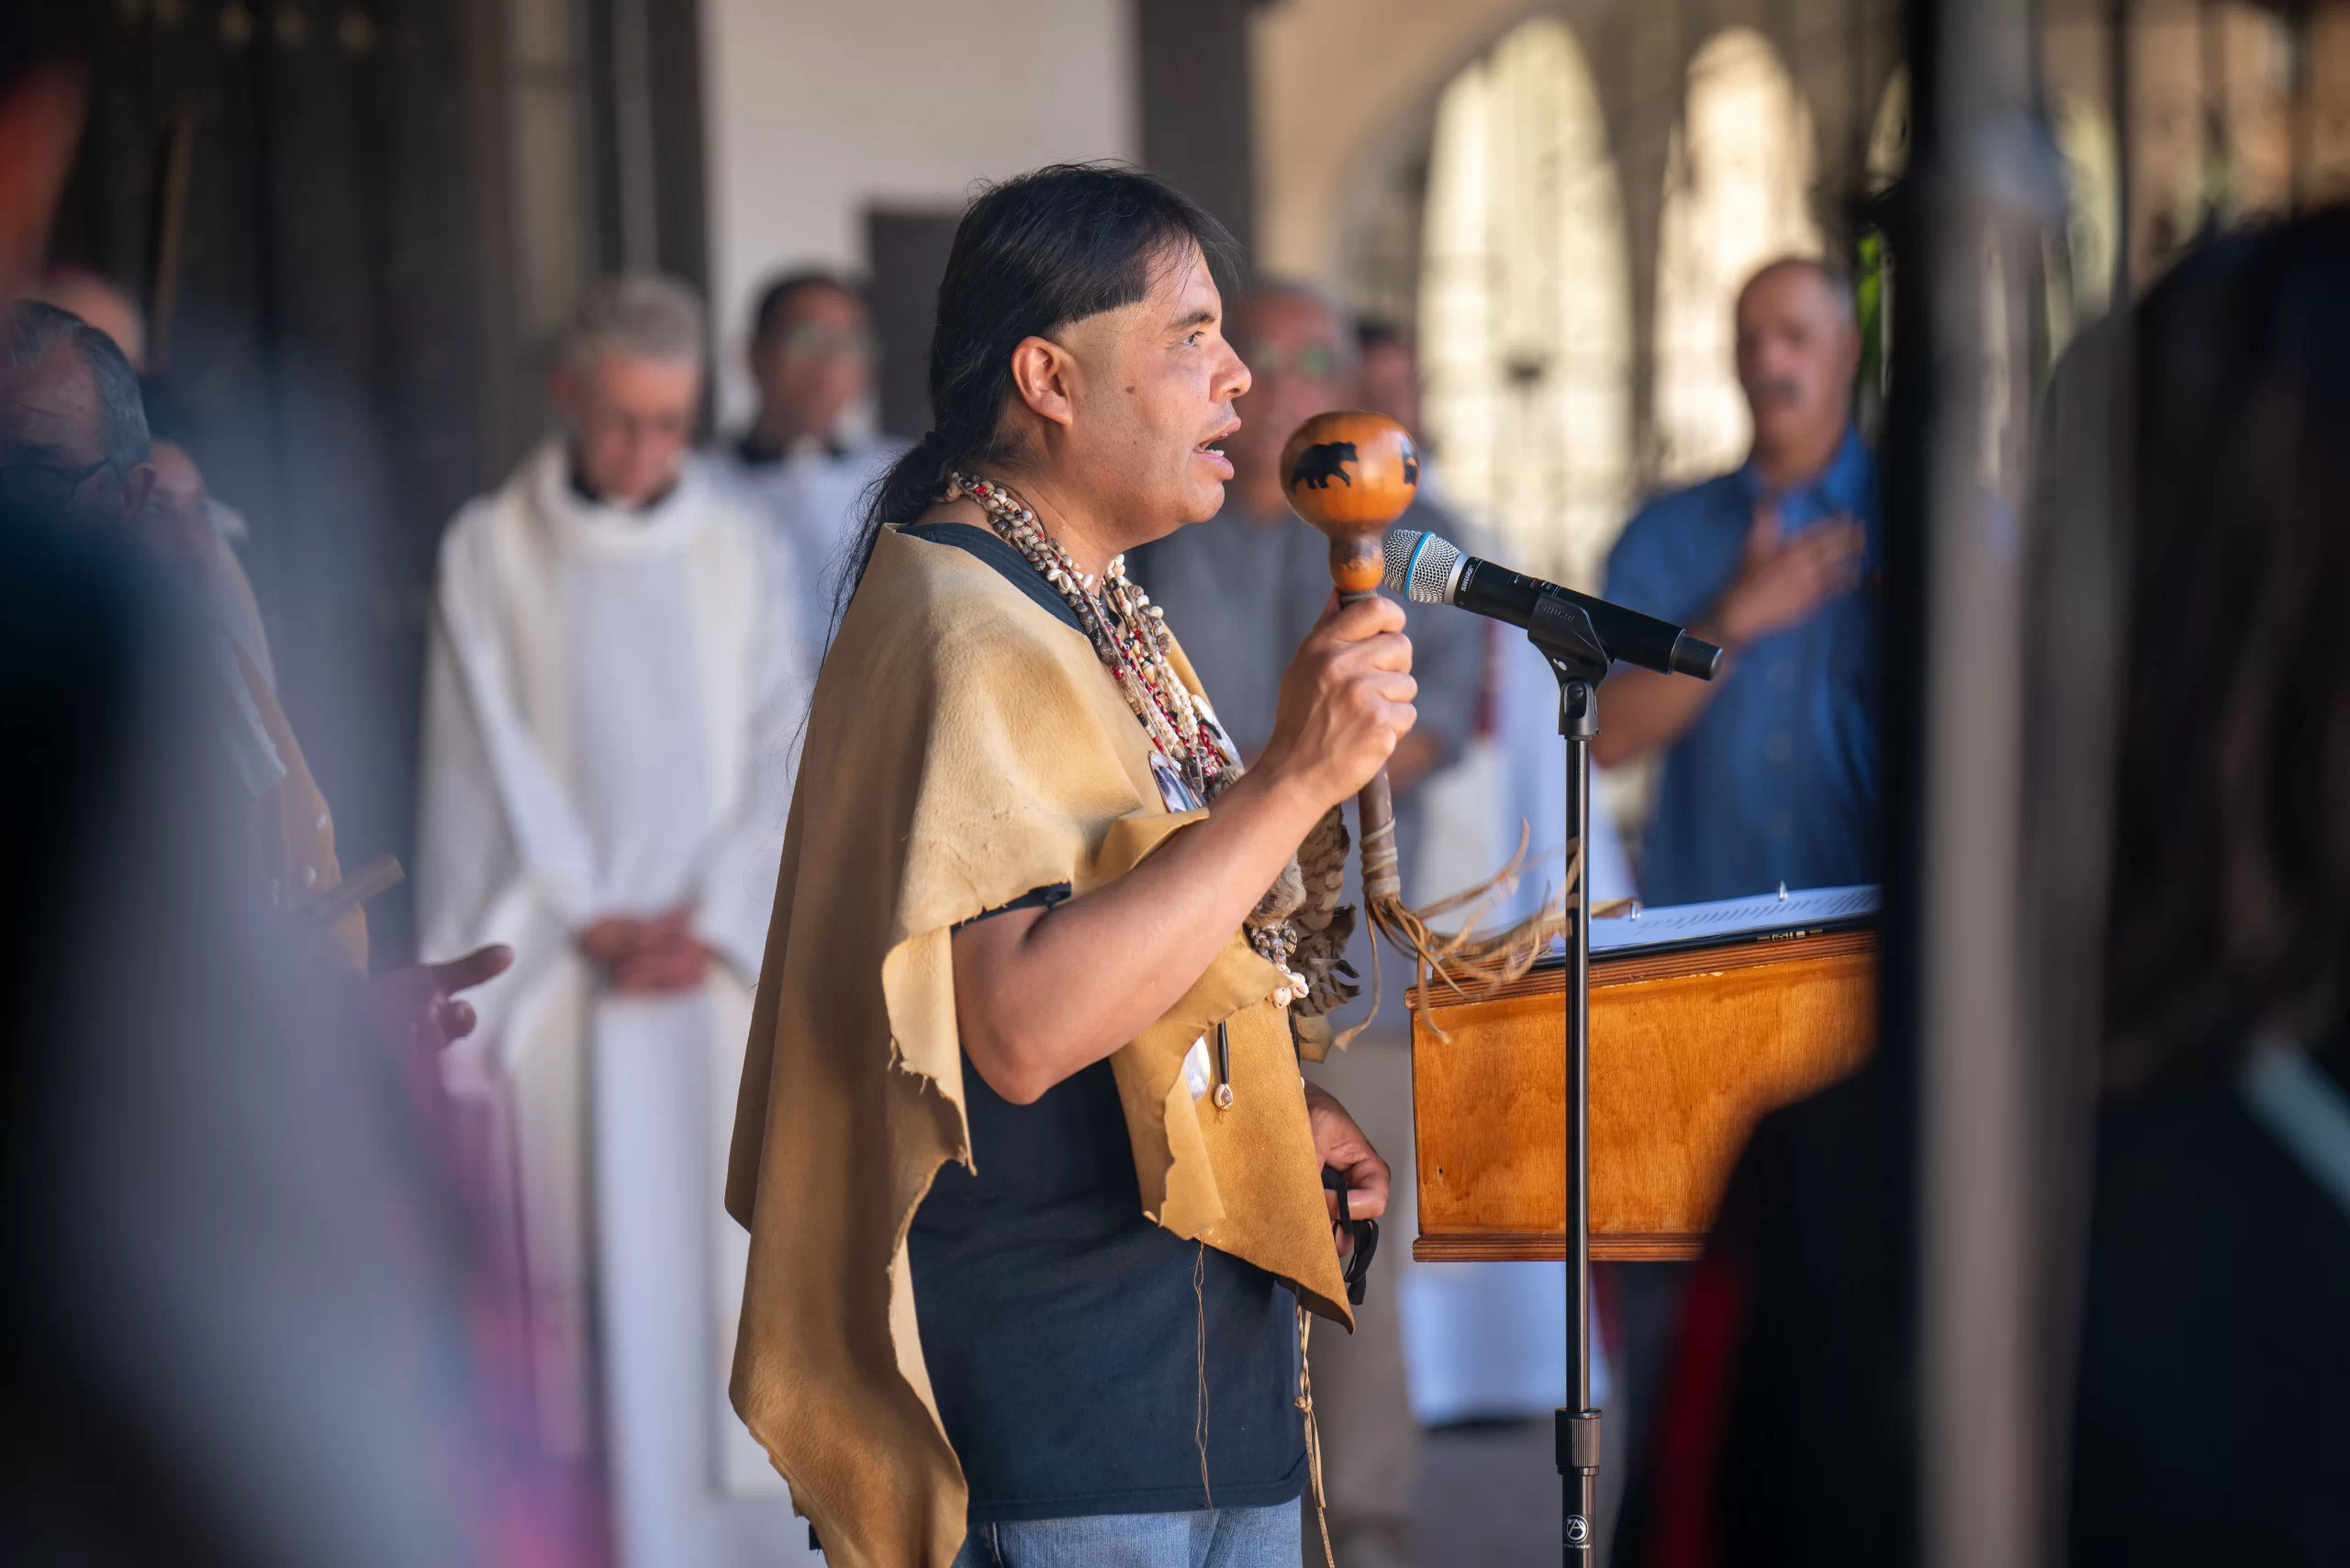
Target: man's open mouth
{"x":1213,"y":446}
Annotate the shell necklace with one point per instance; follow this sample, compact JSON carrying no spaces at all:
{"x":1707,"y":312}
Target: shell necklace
{"x":1128,"y":633}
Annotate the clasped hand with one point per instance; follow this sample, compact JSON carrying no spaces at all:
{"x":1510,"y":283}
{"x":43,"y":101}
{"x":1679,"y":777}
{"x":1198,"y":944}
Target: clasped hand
{"x":650,"y":957}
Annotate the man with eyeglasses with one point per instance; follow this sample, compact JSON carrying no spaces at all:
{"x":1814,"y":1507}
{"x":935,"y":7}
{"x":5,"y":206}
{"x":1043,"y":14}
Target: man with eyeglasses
{"x":1241,"y":591}
{"x":810,"y":452}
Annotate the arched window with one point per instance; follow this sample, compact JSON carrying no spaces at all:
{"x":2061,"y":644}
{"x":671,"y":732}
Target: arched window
{"x":1525,"y":305}
{"x":1738,"y":178}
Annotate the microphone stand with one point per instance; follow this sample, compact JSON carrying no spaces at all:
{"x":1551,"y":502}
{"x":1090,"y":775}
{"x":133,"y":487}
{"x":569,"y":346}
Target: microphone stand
{"x":1564,"y":636}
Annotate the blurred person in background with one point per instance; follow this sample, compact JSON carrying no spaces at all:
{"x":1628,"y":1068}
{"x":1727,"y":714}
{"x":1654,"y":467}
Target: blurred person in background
{"x":1770,"y":770}
{"x":2217,"y":1266}
{"x":809,"y":454}
{"x":1523,"y":782}
{"x":606,"y":770}
{"x":1242,"y":590}
{"x":1387,"y":381}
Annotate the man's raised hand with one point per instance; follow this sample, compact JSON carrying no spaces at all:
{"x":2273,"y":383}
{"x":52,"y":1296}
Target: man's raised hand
{"x":1344,"y":700}
{"x":1781,"y":580}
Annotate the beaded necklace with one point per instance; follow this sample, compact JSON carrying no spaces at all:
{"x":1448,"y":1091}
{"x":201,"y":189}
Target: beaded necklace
{"x":1129,"y":635}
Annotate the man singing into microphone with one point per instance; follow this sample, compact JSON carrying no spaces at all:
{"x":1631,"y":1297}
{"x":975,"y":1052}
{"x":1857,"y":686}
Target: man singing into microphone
{"x":1771,"y":768}
{"x":1034,"y":1186}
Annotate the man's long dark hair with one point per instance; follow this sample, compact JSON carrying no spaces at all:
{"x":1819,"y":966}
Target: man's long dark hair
{"x":1032,"y":255}
{"x":2231,"y":888}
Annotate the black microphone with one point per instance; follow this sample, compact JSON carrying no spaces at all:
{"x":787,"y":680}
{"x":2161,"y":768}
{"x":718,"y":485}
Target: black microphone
{"x":1429,"y":570}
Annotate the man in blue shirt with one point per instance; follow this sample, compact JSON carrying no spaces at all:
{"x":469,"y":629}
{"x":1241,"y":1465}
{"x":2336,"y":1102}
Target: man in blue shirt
{"x":1770,"y":769}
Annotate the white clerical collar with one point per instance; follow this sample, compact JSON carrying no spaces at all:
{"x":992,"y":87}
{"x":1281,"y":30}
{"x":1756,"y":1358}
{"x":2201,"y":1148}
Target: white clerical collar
{"x":579,"y":522}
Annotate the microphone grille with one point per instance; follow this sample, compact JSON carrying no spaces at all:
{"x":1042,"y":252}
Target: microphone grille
{"x":1419,"y":566}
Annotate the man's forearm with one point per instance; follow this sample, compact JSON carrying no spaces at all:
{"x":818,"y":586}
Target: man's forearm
{"x":1642,"y":711}
{"x":1040,"y":996}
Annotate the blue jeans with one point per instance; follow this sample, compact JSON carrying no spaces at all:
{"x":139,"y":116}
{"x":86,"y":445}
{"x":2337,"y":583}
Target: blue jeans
{"x":1213,"y":1538}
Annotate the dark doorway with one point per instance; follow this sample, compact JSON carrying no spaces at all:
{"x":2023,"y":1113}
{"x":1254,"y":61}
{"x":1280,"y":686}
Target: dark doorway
{"x":907,"y":251}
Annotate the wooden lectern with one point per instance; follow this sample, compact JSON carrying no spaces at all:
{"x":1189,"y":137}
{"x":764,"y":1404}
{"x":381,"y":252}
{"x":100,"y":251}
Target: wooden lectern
{"x":1691,"y":1042}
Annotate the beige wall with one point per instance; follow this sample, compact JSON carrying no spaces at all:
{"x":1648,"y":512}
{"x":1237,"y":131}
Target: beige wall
{"x":817,"y":111}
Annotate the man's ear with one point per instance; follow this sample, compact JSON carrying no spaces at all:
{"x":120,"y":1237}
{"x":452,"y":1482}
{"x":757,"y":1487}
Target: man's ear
{"x":1044,"y":373}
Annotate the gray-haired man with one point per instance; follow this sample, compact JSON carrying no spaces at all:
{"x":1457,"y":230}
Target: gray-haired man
{"x":607,"y":766}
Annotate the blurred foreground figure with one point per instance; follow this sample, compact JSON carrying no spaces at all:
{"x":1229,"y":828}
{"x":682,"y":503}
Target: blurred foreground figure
{"x":238,"y":1332}
{"x":606,"y":774}
{"x":98,"y":302}
{"x":1770,"y":770}
{"x":2213,"y":1367}
{"x":73,"y":441}
{"x":2220,"y":1246}
{"x":73,"y":434}
{"x":807,"y":457}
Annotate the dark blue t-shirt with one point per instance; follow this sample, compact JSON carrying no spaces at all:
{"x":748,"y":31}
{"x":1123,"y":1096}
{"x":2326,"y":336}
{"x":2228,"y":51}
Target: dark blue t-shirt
{"x":1062,"y":1330}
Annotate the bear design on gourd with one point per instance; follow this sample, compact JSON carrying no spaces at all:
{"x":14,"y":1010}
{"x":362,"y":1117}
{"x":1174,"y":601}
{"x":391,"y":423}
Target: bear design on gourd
{"x":1318,"y":466}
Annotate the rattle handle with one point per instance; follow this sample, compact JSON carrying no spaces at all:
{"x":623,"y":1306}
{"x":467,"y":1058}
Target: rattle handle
{"x":1375,"y":814}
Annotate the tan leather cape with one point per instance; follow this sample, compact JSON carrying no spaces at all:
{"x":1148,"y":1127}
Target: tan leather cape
{"x":965,"y":747}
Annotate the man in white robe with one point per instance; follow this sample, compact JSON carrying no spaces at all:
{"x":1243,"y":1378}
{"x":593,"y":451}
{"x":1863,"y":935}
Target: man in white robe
{"x":609,"y":711}
{"x":810,"y":452}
